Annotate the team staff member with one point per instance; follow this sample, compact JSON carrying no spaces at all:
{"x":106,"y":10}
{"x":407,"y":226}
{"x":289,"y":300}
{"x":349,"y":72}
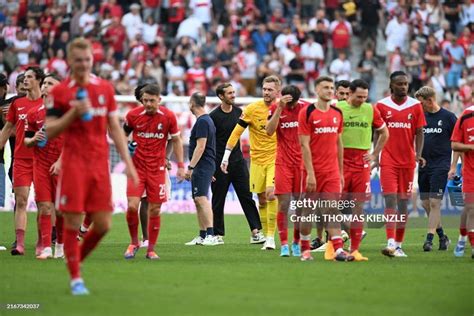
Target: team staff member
{"x":225,"y":117}
{"x":262,"y":156}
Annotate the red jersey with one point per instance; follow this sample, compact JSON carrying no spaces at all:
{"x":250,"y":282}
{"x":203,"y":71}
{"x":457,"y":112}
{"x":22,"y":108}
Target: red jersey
{"x":85,"y":141}
{"x":116,"y":36}
{"x":464,"y":133}
{"x":402,"y":121}
{"x":17,"y":116}
{"x":151,"y":134}
{"x":324,"y":129}
{"x":288,"y":145}
{"x":50,"y":153}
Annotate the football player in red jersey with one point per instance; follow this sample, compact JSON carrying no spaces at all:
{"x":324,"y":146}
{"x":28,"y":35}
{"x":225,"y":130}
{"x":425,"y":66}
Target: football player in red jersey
{"x":405,"y":120}
{"x":150,"y":124}
{"x":23,"y":164}
{"x":283,"y":120}
{"x":46,"y":164}
{"x":320,"y":126}
{"x":83,"y":108}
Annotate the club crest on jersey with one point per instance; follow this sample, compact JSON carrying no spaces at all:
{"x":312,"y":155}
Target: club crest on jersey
{"x":160,"y":126}
{"x":410,"y":116}
{"x":101,"y":99}
{"x":335,"y":119}
{"x":440,"y":123}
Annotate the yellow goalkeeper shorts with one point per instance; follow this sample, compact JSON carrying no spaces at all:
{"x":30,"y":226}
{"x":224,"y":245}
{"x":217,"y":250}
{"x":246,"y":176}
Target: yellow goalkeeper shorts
{"x":261,"y":177}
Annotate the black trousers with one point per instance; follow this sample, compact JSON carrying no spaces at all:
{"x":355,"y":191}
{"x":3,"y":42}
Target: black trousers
{"x":238,"y":175}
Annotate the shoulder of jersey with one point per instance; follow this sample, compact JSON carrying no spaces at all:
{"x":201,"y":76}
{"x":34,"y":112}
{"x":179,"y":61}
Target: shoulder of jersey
{"x":389,"y":102}
{"x":469,"y":109}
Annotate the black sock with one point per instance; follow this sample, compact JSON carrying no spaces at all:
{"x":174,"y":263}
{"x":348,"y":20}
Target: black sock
{"x":210,"y":231}
{"x":202,"y":233}
{"x":440,"y":232}
{"x":429,"y":237}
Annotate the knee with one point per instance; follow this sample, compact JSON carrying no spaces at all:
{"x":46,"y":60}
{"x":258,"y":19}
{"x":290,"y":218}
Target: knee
{"x":154,"y":210}
{"x":262,"y":201}
{"x":44,"y":209}
{"x":102,"y":227}
{"x":200,"y":200}
{"x":270,"y":195}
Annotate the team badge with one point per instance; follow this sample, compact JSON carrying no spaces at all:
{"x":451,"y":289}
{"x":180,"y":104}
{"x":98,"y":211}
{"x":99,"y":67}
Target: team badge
{"x":410,"y":116}
{"x":101,"y":99}
{"x":160,"y":126}
{"x":440,"y":123}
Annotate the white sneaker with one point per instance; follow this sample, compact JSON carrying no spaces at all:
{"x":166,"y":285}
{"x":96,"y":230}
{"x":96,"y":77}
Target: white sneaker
{"x":259,"y":238}
{"x":2,"y":248}
{"x":58,"y":251}
{"x":196,"y":241}
{"x":344,"y":236}
{"x":321,"y":248}
{"x":144,"y":244}
{"x":399,"y":253}
{"x":269,"y":244}
{"x":46,"y":253}
{"x":210,"y":241}
{"x":220,"y":240}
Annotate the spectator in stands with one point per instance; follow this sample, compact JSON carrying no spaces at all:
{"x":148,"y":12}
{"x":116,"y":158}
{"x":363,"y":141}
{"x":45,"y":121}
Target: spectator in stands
{"x":367,"y":68}
{"x":397,"y":31}
{"x":451,"y":9}
{"x":202,"y":10}
{"x":22,"y":47}
{"x":341,"y":67}
{"x":370,"y":12}
{"x":319,"y":17}
{"x":191,"y":27}
{"x":413,"y":62}
{"x":455,"y":54}
{"x":151,"y":8}
{"x":341,"y":32}
{"x":132,"y":22}
{"x":111,"y":5}
{"x":313,"y":56}
{"x":87,"y":20}
{"x":262,"y":41}
{"x":247,"y":63}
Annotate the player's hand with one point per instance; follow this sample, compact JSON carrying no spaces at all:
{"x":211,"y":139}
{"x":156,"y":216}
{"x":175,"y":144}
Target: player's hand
{"x":80,"y":106}
{"x":180,"y":174}
{"x":310,"y":183}
{"x":285,"y":100}
{"x":39,"y":136}
{"x":342,"y":183}
{"x":5,"y":110}
{"x":451,"y":173}
{"x":421,"y":161}
{"x":370,"y":157}
{"x":132,"y":173}
{"x":224,"y":165}
{"x":168,"y":165}
{"x":55,"y":168}
{"x":188,"y":175}
{"x":213,"y":179}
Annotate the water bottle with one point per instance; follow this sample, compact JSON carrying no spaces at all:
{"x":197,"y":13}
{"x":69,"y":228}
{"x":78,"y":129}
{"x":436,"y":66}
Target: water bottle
{"x":81,"y":95}
{"x":42,"y":143}
{"x":132,"y":146}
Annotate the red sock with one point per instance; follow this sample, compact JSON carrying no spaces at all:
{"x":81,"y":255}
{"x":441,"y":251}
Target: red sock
{"x":132,"y":221}
{"x":91,"y":240}
{"x":59,"y":229}
{"x":305,"y":245}
{"x":463,"y":231}
{"x":71,"y":252}
{"x":87,"y":220}
{"x":296,"y":235}
{"x":337,"y":243}
{"x":390,"y":225}
{"x":282,"y":223}
{"x":154,"y":224}
{"x":471,"y":238}
{"x":45,"y":227}
{"x":20,"y":238}
{"x":401,"y":225}
{"x":38,"y":226}
{"x":356,"y":236}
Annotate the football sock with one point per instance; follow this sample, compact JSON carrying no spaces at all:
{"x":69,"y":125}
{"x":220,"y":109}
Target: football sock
{"x":154,"y":224}
{"x":282,"y":224}
{"x":356,"y":236}
{"x":471,"y":237}
{"x":263,"y":218}
{"x":210,"y":231}
{"x":20,"y":238}
{"x":87,"y":221}
{"x":296,"y":234}
{"x":91,"y":240}
{"x":202,"y":233}
{"x":59,"y":229}
{"x":272,"y":209}
{"x":132,"y":221}
{"x":429,"y":237}
{"x":337,"y":243}
{"x":463,"y":231}
{"x":390,"y":225}
{"x":305,"y":242}
{"x":400,"y":230}
{"x":440,"y":232}
{"x":45,"y":228}
{"x":38,"y":226}
{"x":71,"y":252}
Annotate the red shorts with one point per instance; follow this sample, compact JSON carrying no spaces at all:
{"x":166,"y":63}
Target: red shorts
{"x":468,"y":190}
{"x":394,"y":180}
{"x":153,"y":183}
{"x":328,"y":182}
{"x":22,"y":172}
{"x":45,"y":184}
{"x":288,"y":180}
{"x":357,"y":183}
{"x":83,"y":189}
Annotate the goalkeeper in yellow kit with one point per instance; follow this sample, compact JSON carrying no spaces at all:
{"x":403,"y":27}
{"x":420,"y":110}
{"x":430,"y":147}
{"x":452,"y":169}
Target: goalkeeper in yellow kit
{"x":262,"y":155}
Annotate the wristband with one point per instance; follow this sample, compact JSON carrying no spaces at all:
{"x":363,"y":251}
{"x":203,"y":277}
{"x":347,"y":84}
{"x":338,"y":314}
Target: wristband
{"x":180,"y":165}
{"x":227,"y":153}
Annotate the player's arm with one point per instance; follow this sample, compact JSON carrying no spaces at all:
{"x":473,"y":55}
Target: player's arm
{"x":381,"y":136}
{"x":308,"y":162}
{"x":6,"y":132}
{"x":419,"y":141}
{"x":272,"y":124}
{"x":340,"y":158}
{"x":459,"y":147}
{"x":198,"y":151}
{"x":32,"y":138}
{"x":232,"y":141}
{"x":454,"y":162}
{"x":178,"y":152}
{"x":120,"y":142}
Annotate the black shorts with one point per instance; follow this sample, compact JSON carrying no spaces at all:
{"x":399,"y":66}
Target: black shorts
{"x":201,"y":181}
{"x":432,"y":183}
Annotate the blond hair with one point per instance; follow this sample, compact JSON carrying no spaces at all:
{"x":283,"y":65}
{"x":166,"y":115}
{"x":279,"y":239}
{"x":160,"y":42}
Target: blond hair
{"x":425,"y":93}
{"x":78,"y":43}
{"x":271,"y":79}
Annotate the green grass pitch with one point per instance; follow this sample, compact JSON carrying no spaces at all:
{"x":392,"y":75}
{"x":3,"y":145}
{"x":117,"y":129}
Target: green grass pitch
{"x":238,"y":278}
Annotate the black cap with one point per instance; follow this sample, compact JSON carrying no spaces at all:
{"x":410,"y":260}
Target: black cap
{"x":3,"y":80}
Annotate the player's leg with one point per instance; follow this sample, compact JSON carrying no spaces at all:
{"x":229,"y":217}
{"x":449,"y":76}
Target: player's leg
{"x":45,"y":209}
{"x":132,"y":223}
{"x":360,"y":189}
{"x":272,"y":206}
{"x":239,"y":176}
{"x":21,"y":199}
{"x":388,"y":182}
{"x":461,"y":244}
{"x":438,"y":182}
{"x":219,"y":189}
{"x":84,"y":228}
{"x":305,"y":230}
{"x":201,"y":181}
{"x":405,"y":187}
{"x":154,"y":224}
{"x":102,"y":222}
{"x":283,"y":190}
{"x":424,"y":185}
{"x":143,"y":211}
{"x":59,"y":246}
{"x":257,"y":186}
{"x":470,"y":224}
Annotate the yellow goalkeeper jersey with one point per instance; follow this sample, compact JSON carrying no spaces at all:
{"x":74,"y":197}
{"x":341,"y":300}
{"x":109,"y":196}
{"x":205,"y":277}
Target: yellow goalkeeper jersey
{"x":262,"y":146}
